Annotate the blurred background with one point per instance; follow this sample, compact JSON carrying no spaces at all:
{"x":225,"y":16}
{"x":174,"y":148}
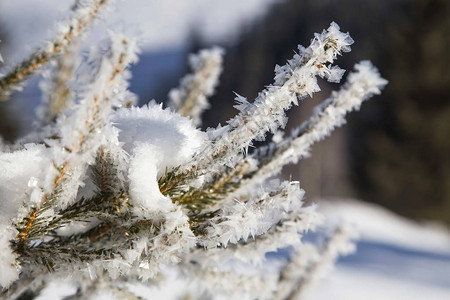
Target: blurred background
{"x":395,"y":152}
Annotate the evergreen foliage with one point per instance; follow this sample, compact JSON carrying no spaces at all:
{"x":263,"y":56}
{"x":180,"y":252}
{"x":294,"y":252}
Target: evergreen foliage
{"x":112,"y":194}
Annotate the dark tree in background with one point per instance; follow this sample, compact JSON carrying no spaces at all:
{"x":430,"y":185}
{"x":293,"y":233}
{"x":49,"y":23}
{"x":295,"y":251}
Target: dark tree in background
{"x":8,"y":129}
{"x":405,"y":164}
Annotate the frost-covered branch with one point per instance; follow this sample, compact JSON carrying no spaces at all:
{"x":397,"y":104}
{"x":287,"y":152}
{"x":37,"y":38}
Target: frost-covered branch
{"x":232,"y":285}
{"x":254,"y":217}
{"x":57,"y":95}
{"x":83,"y":15}
{"x":360,"y":86}
{"x":296,"y":79}
{"x":274,"y":219}
{"x":190,"y":99}
{"x":82,"y":132}
{"x":287,"y":233}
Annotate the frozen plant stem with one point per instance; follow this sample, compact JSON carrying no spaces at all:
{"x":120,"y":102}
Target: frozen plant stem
{"x":297,"y":79}
{"x":81,"y":129}
{"x":84,"y":12}
{"x":190,"y":99}
{"x":360,"y":86}
{"x":57,"y":95}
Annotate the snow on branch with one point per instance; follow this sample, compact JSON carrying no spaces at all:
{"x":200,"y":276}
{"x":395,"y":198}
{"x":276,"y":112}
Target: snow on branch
{"x":190,"y":99}
{"x":82,"y":132}
{"x":296,"y":79}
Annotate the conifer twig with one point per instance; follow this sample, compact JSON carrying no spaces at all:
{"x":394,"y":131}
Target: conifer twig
{"x":296,"y":79}
{"x":86,"y":117}
{"x":57,"y":95}
{"x":360,"y":86}
{"x":190,"y":98}
{"x":83,"y":15}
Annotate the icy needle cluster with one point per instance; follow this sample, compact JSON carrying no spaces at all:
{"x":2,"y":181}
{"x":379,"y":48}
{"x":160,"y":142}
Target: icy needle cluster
{"x":84,"y":13}
{"x":191,"y":98}
{"x":112,"y":194}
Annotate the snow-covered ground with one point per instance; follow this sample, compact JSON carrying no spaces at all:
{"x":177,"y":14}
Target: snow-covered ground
{"x":396,"y":257}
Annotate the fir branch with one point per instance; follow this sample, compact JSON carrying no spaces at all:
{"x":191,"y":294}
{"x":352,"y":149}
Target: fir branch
{"x":230,"y":283}
{"x":190,"y":99}
{"x":255,"y":216}
{"x":57,"y":95}
{"x":296,"y":79}
{"x":27,"y":287}
{"x":102,"y":283}
{"x":87,"y":117}
{"x":84,"y":13}
{"x":106,"y":174}
{"x":104,"y":241}
{"x":266,"y":113}
{"x":360,"y":86}
{"x":103,"y":208}
{"x":197,"y":199}
{"x":100,"y":206}
{"x":173,"y":181}
{"x":296,"y":269}
{"x":286,"y":233}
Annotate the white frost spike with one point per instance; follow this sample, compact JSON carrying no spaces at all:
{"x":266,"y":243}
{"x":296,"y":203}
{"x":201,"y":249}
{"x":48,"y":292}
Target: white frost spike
{"x":254,"y":217}
{"x":157,"y":140}
{"x":287,"y":233}
{"x":360,"y":86}
{"x":296,"y":79}
{"x":83,"y":129}
{"x":190,"y":98}
{"x":84,"y":13}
